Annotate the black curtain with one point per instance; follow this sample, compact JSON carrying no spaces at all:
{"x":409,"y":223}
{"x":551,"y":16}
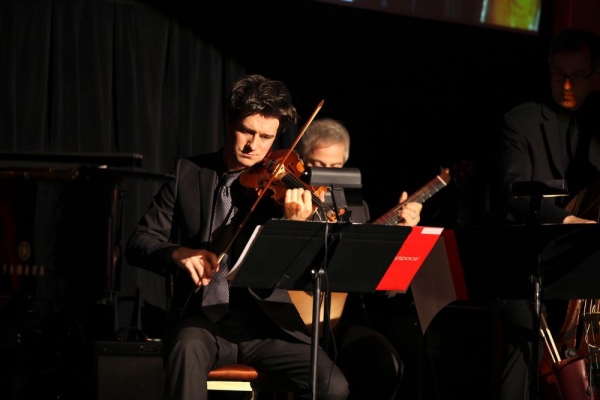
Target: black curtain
{"x":150,"y":77}
{"x":94,"y":77}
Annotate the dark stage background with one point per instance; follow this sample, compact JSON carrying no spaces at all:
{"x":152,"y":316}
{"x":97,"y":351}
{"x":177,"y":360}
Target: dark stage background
{"x":150,"y":78}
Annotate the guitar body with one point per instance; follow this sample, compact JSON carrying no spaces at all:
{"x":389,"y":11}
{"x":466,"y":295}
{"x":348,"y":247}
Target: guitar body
{"x":304,"y":300}
{"x":304,"y":303}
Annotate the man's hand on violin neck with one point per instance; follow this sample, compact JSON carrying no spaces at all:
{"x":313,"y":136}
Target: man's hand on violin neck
{"x":298,"y":204}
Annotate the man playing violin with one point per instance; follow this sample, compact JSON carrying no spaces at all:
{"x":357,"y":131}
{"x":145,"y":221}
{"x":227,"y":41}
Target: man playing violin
{"x":210,"y":324}
{"x":372,"y":365}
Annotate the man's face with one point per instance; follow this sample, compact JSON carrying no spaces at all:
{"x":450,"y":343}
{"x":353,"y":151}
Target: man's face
{"x":326,"y":155}
{"x":572,"y":78}
{"x":249,"y":141}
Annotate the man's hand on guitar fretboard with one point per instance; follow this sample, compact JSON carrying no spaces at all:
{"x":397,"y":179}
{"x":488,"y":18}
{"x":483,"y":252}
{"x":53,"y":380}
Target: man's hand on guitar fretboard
{"x":410,"y":213}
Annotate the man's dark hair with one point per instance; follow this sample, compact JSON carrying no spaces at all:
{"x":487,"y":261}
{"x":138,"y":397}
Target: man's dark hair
{"x":255,"y":94}
{"x":573,"y":40}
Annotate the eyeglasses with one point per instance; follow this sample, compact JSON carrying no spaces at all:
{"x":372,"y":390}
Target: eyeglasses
{"x":575,"y":78}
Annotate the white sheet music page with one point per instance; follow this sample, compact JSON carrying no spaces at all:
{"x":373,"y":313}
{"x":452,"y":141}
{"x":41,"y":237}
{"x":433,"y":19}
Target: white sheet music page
{"x":238,"y":264}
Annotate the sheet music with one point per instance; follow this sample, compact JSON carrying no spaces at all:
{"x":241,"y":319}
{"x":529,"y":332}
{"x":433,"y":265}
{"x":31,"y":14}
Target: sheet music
{"x":238,"y":264}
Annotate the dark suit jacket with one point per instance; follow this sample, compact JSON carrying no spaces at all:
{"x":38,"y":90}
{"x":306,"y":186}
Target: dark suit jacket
{"x":180,"y":214}
{"x":531,"y":149}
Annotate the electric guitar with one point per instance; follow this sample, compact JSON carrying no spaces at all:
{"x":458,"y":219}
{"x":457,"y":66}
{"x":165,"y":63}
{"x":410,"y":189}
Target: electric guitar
{"x":304,"y":300}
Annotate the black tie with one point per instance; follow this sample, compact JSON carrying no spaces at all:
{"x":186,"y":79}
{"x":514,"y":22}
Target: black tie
{"x":215,"y":296}
{"x":572,"y":137}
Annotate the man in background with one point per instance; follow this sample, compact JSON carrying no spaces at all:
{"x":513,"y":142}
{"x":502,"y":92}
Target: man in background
{"x":553,"y":139}
{"x":370,"y":362}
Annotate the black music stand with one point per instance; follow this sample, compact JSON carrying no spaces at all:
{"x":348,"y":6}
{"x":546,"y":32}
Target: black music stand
{"x":536,"y":191}
{"x":300,"y":253}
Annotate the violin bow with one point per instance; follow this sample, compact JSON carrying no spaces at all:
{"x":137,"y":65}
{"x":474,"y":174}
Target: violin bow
{"x":310,"y":120}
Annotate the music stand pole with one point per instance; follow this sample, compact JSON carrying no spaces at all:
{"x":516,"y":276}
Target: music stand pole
{"x":317,"y":276}
{"x":535,"y":205}
{"x":535,"y":340}
{"x":314,"y":344}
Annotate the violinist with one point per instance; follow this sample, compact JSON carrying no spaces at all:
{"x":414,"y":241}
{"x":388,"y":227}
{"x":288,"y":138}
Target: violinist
{"x":552,"y":138}
{"x":209,"y":323}
{"x":371,"y":363}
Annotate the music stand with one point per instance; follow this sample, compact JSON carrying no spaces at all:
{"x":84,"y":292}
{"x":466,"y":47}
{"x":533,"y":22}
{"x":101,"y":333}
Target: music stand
{"x":536,"y":191}
{"x":300,"y":253}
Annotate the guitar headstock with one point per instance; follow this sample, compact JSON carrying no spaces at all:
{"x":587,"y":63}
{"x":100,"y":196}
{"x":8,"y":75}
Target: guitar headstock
{"x":459,"y":172}
{"x":444,"y":175}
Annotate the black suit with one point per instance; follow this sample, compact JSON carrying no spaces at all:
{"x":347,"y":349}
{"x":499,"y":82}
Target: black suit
{"x":262,"y":329}
{"x":533,"y":148}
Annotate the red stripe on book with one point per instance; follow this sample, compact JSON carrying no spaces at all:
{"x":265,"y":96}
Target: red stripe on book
{"x":409,"y":259}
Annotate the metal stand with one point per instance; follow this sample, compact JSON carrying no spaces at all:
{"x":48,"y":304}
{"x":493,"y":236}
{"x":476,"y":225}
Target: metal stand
{"x":535,"y":204}
{"x":535,"y":340}
{"x":314,"y":345}
{"x":317,"y":277}
{"x":536,"y":195}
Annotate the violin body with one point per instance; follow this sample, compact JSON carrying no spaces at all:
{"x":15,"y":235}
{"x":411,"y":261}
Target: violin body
{"x":279,"y":171}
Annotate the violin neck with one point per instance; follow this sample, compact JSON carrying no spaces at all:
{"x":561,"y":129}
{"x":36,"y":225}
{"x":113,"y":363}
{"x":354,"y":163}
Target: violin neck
{"x":292,"y":182}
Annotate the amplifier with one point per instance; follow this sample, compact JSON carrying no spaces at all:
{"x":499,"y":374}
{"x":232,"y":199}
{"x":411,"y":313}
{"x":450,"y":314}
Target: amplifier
{"x":129,"y":370}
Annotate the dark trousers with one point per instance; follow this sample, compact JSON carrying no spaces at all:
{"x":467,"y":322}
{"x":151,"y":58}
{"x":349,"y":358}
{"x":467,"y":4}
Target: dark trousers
{"x":197,"y":346}
{"x":371,"y":364}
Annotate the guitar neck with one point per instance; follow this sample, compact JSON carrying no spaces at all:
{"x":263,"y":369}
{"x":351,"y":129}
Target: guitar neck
{"x":420,"y":196}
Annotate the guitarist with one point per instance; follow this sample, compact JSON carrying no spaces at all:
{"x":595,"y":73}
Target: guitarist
{"x":553,"y":138}
{"x":371,"y":363}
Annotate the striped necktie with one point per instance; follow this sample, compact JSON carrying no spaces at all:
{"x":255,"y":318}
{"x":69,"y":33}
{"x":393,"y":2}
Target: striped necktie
{"x":215,"y":296}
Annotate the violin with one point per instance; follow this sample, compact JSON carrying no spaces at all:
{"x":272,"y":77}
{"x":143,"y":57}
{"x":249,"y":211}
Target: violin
{"x":281,"y":170}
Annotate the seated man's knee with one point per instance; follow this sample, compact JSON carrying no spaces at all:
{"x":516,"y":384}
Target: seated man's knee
{"x":191,"y":342}
{"x":334,"y":387}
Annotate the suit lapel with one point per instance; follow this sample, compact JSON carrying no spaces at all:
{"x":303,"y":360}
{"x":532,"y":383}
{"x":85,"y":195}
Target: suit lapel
{"x":207,"y":183}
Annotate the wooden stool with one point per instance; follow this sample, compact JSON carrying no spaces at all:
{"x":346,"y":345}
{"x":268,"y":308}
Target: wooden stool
{"x":235,"y":377}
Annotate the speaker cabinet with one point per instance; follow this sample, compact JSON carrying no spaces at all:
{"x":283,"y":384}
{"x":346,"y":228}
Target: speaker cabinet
{"x":129,"y":370}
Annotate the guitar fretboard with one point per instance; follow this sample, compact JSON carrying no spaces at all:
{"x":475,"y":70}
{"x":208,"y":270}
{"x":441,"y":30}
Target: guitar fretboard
{"x":420,"y":196}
